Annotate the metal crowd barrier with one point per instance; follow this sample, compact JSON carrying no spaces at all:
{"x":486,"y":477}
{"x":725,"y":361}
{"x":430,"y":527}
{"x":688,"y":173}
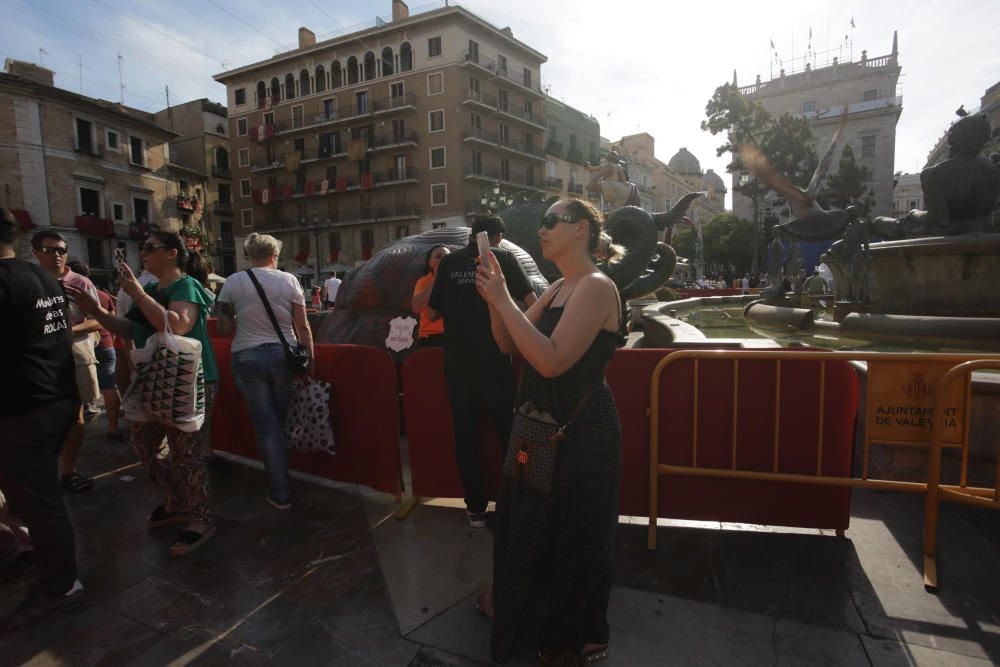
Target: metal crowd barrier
{"x":958,"y":366}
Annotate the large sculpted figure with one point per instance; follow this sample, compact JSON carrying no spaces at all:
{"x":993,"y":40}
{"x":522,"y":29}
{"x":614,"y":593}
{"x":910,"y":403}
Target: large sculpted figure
{"x":610,"y":180}
{"x":379,"y":291}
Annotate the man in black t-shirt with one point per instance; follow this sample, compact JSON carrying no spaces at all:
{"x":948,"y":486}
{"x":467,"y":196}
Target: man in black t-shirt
{"x":38,"y":405}
{"x":477,"y":373}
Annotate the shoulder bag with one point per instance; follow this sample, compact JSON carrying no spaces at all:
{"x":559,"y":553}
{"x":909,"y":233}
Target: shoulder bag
{"x":296,"y":356}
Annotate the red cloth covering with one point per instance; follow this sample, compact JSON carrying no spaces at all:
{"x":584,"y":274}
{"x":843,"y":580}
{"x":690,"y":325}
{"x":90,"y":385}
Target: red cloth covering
{"x":23,"y":218}
{"x":310,"y":189}
{"x":94,"y":226}
{"x":366,"y":252}
{"x":367,"y":181}
{"x":364,"y":413}
{"x":257,"y":196}
{"x":272,"y":194}
{"x":286,"y":192}
{"x":334,"y":254}
{"x":253,"y":133}
{"x":341,"y":183}
{"x":302,"y":257}
{"x":434,"y":472}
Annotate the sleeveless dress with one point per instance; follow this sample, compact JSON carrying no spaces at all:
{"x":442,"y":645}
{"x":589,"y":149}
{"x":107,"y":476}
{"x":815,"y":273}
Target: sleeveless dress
{"x":553,"y":553}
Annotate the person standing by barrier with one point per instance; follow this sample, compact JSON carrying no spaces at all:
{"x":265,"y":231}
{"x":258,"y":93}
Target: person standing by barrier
{"x":555,"y":532}
{"x":431,"y":333}
{"x":50,"y":249}
{"x":260,"y":369}
{"x":478,"y":375}
{"x":39,"y":403}
{"x":179,"y":468}
{"x":330,"y":288}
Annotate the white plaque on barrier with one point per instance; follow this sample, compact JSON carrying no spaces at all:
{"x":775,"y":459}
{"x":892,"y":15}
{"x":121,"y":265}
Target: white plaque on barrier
{"x":400,"y":334}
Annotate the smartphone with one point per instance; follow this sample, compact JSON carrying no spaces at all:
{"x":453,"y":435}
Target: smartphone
{"x":119,"y":260}
{"x":483,"y":240}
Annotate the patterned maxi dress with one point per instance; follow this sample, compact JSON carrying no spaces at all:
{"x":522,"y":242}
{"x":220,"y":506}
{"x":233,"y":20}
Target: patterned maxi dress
{"x":552,"y":556}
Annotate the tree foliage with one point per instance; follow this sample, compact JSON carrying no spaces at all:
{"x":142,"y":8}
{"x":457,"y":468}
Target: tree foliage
{"x":728,"y":245}
{"x":849,"y":186}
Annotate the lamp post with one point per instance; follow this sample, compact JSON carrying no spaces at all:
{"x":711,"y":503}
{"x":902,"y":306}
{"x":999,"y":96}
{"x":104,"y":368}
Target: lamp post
{"x":490,"y":200}
{"x":745,"y":180}
{"x":316,"y":239}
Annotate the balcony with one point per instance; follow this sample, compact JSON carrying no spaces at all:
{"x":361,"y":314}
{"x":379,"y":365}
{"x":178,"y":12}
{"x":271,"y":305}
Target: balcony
{"x":226,"y":245}
{"x":348,"y":218}
{"x":475,"y":97}
{"x":529,"y":151}
{"x":575,"y":155}
{"x":396,"y":175}
{"x":476,"y":61}
{"x":478,"y":134}
{"x":493,"y":175}
{"x":554,"y":148}
{"x":377,"y":107}
{"x":489,"y":102}
{"x":221,"y":172}
{"x":222,"y":208}
{"x":554,"y":182}
{"x":575,"y":189}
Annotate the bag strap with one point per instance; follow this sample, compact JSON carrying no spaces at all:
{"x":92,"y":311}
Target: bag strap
{"x":267,"y":307}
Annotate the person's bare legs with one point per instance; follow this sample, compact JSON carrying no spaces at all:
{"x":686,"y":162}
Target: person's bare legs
{"x":112,"y":403}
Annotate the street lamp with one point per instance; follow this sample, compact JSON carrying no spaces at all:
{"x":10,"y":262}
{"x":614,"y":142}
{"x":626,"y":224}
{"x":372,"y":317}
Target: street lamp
{"x":745,"y":180}
{"x":491,"y":200}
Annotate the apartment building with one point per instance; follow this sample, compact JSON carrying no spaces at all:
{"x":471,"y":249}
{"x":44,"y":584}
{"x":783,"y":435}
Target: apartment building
{"x":94,"y":170}
{"x":573,"y":139}
{"x":200,"y":160}
{"x":867,"y":89}
{"x":344,"y":144}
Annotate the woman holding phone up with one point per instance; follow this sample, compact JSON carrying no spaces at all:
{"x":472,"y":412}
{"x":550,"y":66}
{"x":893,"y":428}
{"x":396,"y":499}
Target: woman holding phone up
{"x":552,"y":559}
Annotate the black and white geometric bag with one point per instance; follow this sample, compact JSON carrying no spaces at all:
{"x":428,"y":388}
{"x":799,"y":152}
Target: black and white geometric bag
{"x":307,"y":424}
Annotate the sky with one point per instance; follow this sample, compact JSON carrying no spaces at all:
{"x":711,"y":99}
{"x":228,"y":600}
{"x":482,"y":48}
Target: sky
{"x":643,"y":66}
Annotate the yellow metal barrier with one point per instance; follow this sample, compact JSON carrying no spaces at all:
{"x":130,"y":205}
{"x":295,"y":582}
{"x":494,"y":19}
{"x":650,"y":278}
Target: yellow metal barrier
{"x":958,"y":365}
{"x":936,"y":492}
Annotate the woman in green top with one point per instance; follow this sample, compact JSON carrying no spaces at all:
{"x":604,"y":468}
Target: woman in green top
{"x":178,"y":293}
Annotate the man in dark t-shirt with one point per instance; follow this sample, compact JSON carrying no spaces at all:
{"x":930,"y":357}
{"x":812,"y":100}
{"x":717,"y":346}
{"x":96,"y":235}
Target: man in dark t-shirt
{"x":478,"y":375}
{"x":39,"y":402}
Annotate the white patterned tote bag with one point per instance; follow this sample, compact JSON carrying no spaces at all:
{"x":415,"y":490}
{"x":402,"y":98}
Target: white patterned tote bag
{"x":307,"y":424}
{"x":169,"y":384}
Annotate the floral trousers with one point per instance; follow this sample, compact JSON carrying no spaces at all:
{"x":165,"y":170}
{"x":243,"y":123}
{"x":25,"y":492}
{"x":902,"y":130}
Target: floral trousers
{"x":175,"y":460}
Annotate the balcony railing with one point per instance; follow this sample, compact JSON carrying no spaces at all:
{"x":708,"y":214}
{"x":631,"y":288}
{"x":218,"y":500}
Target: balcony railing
{"x":493,"y":68}
{"x":222,"y":208}
{"x":520,"y":148}
{"x":575,"y":189}
{"x":495,"y":175}
{"x":554,"y":182}
{"x":369,"y":108}
{"x":492,"y":103}
{"x":479,"y":133}
{"x":554,"y":148}
{"x":575,"y":155}
{"x":221,"y":172}
{"x":480,"y":98}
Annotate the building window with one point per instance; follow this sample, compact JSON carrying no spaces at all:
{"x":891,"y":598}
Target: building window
{"x":405,"y":57}
{"x":241,"y":127}
{"x":530,"y":175}
{"x":111,"y":140}
{"x":477,"y":162}
{"x":396,"y":93}
{"x":361,"y":100}
{"x":245,"y":189}
{"x":439,"y":194}
{"x":527,"y":77}
{"x":268,"y":118}
{"x":808,"y":107}
{"x":502,"y":64}
{"x":330,"y":108}
{"x":868,"y":146}
{"x":90,"y":202}
{"x":140,"y":210}
{"x":118,"y":213}
{"x":402,"y":231}
{"x":502,"y":100}
{"x":246,"y":217}
{"x":240,"y":96}
{"x":84,"y":136}
{"x":505,"y":169}
{"x":435,"y":83}
{"x":244,"y":157}
{"x":473,"y":54}
{"x":95,"y":252}
{"x":437,"y":158}
{"x":433,"y":47}
{"x":504,"y":134}
{"x":870,"y":95}
{"x":435,"y":120}
{"x":529,"y":110}
{"x":439,"y":225}
{"x":333,"y":239}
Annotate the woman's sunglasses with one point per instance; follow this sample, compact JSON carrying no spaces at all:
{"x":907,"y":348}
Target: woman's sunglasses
{"x":150,"y":247}
{"x":550,"y":220}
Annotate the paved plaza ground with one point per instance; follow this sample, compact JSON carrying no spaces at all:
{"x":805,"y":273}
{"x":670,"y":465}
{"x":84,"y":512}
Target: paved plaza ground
{"x":339,"y":581}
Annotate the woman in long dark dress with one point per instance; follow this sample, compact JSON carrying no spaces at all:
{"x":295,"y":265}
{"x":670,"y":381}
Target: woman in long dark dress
{"x":552,"y":558}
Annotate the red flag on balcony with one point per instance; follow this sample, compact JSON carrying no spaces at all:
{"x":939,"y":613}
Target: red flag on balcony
{"x":334,"y":254}
{"x":310,"y":189}
{"x":23,"y":218}
{"x":302,"y":257}
{"x":258,"y":196}
{"x":286,"y":192}
{"x":341,"y":183}
{"x":367,"y":181}
{"x":272,"y":194}
{"x":253,"y":133}
{"x":366,"y":252}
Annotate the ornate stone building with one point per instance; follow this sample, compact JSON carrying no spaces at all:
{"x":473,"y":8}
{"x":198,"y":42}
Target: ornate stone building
{"x":573,"y":138}
{"x":867,"y":89}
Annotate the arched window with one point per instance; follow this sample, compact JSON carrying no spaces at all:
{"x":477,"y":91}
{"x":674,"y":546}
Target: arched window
{"x":222,"y":158}
{"x":304,"y":82}
{"x":275,"y":89}
{"x":405,"y":57}
{"x":336,"y":75}
{"x":289,"y":86}
{"x":352,"y":70}
{"x":261,"y":93}
{"x":320,"y":77}
{"x":369,"y":66}
{"x":387,"y":61}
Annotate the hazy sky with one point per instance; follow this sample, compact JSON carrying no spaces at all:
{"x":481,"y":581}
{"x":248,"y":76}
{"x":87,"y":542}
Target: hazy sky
{"x":649,"y":67}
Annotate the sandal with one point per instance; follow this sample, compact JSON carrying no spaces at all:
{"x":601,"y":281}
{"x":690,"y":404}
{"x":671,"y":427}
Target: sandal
{"x":76,"y":482}
{"x":161,"y":517}
{"x":190,"y":540}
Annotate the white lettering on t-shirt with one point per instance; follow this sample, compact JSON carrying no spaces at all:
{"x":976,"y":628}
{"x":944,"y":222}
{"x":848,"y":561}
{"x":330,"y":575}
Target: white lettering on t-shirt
{"x":55,"y":318}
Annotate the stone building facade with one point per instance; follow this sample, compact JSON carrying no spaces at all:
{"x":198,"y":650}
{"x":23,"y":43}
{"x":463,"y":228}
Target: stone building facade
{"x":201,"y":161}
{"x":343,"y":145}
{"x":573,"y":138}
{"x":907,"y":195}
{"x":94,"y":170}
{"x":868,"y":90}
